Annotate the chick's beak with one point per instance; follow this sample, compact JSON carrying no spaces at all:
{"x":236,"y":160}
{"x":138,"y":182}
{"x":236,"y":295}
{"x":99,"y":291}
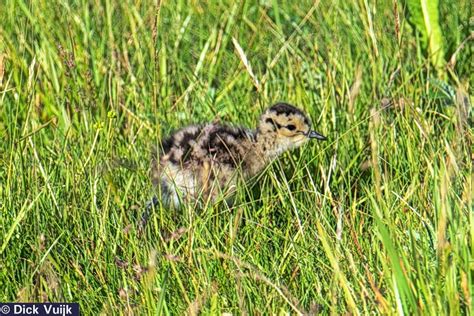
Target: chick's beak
{"x":314,"y":134}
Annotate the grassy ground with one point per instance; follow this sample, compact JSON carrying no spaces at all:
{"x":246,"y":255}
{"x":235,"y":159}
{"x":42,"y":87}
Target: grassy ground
{"x":376,"y":220}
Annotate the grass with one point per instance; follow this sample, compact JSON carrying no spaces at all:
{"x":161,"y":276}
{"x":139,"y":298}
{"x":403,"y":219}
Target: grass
{"x":378,"y":219}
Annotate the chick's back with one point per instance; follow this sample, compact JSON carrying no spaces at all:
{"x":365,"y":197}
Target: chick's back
{"x":201,"y":152}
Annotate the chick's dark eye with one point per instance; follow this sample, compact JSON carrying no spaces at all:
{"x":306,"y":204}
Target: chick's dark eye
{"x":291,"y":127}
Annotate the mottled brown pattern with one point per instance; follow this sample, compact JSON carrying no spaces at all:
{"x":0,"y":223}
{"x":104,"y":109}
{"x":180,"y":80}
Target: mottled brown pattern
{"x":203,"y":162}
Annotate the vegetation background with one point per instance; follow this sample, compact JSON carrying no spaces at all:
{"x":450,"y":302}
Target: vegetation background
{"x":378,"y":219}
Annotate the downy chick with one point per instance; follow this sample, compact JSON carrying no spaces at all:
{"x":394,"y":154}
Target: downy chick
{"x":204,"y":161}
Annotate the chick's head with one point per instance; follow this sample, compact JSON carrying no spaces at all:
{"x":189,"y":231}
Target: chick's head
{"x":288,"y":126}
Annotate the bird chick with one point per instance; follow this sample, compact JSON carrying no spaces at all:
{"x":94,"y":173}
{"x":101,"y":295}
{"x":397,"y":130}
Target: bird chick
{"x":205,"y":161}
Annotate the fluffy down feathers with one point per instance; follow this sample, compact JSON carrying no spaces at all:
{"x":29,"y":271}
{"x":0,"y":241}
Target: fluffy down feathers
{"x":203,"y":162}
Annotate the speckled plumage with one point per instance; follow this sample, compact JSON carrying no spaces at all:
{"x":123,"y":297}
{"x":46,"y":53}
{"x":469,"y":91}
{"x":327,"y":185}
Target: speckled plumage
{"x":203,"y":162}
